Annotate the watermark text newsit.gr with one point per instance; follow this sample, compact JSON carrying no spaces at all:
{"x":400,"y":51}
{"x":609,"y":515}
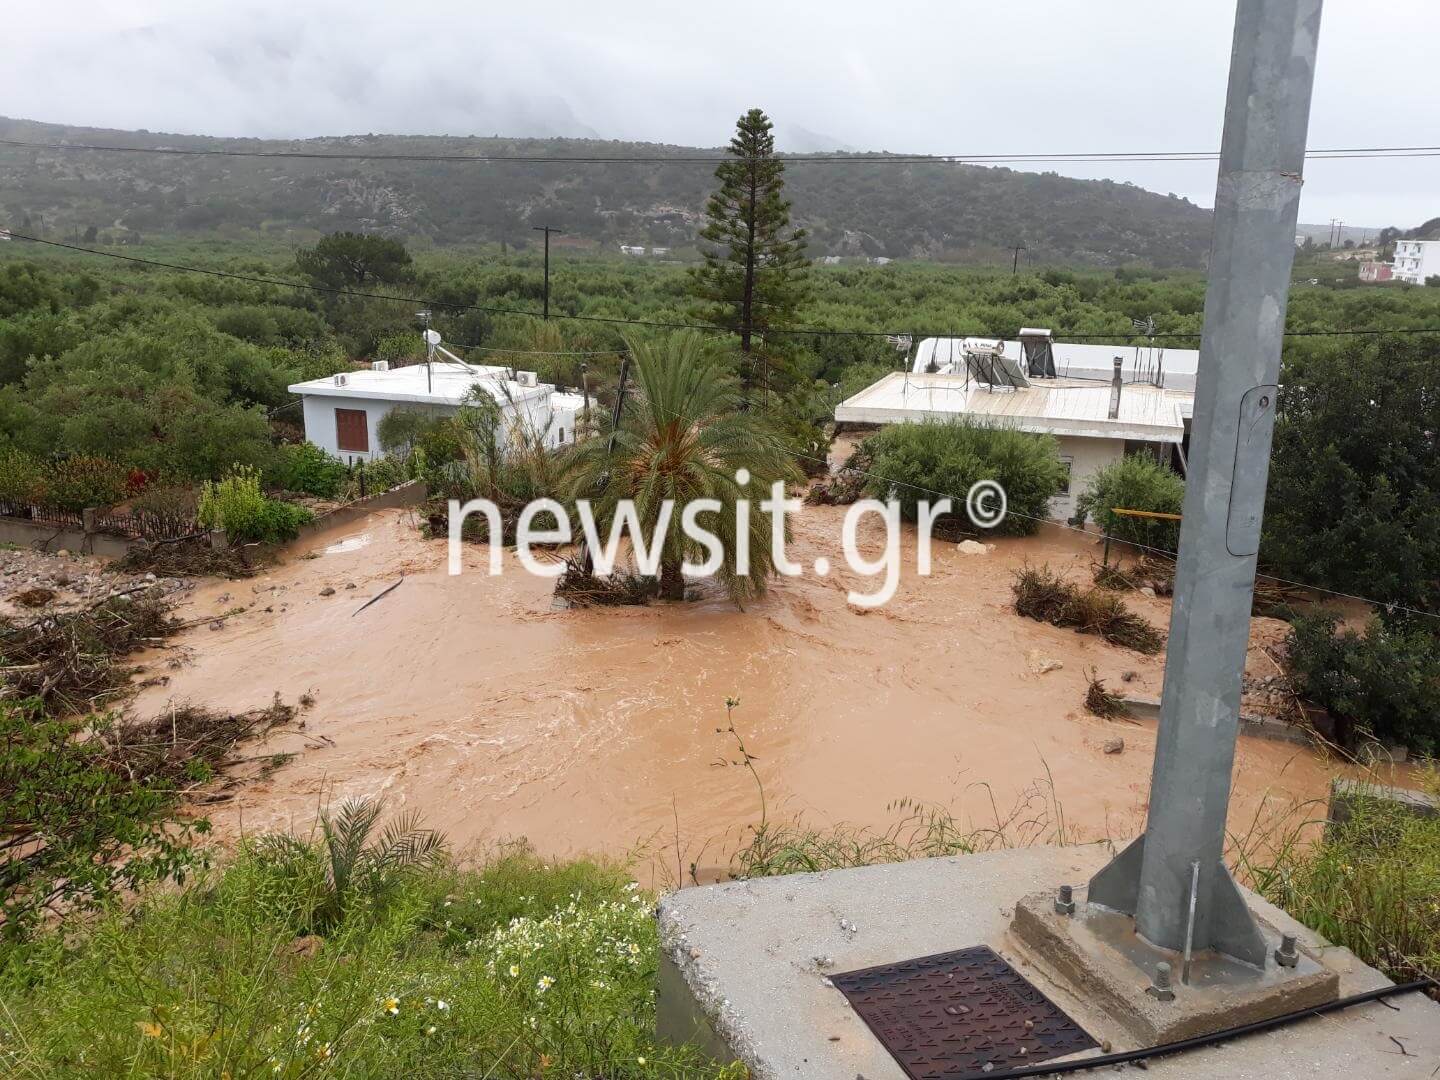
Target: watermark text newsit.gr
{"x":544,"y":523}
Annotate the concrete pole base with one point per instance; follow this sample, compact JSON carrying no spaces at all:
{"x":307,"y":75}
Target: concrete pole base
{"x":745,"y":972}
{"x":1098,"y":955}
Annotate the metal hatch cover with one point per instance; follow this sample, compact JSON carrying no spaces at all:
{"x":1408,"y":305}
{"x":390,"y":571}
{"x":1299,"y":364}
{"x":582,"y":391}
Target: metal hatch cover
{"x":960,"y":1015}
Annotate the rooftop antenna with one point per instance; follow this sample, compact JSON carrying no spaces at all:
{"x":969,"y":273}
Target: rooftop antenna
{"x":432,"y":341}
{"x":1146,"y":326}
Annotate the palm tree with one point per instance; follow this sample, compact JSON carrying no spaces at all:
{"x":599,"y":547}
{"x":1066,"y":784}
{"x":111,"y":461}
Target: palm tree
{"x":355,"y":865}
{"x":685,"y":437}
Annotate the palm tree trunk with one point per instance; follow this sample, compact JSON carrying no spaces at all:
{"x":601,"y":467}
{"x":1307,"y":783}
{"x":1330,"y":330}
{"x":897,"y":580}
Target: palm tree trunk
{"x":672,"y":582}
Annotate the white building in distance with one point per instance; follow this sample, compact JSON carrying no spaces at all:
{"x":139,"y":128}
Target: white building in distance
{"x":343,"y":411}
{"x":1098,"y":410}
{"x":1416,"y":260}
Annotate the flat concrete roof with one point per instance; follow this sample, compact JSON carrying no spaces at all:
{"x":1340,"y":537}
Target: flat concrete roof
{"x":445,"y":384}
{"x":1140,"y":362}
{"x":1078,"y":407}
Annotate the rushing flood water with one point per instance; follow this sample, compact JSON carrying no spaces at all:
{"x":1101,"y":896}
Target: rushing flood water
{"x":474,"y":701}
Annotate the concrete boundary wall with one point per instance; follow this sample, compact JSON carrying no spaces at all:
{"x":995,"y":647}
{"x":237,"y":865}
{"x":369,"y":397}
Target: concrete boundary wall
{"x":44,"y":537}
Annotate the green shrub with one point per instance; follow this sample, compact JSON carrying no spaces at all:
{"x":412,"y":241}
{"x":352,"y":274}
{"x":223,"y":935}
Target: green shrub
{"x":22,"y":479}
{"x":237,"y":505}
{"x":1369,"y":884}
{"x":1384,"y":682}
{"x":1135,"y":482}
{"x":84,"y":829}
{"x":166,"y":509}
{"x":951,"y":457}
{"x":513,"y":971}
{"x":81,"y":481}
{"x":306,"y":468}
{"x":403,"y":431}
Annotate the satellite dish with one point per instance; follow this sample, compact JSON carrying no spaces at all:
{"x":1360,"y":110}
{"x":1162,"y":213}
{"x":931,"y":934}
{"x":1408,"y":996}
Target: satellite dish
{"x":432,"y":337}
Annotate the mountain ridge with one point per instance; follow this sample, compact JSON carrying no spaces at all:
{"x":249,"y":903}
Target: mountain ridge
{"x":948,"y":212}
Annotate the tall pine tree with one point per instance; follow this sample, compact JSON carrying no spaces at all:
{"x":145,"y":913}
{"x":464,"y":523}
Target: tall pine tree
{"x":753,"y":276}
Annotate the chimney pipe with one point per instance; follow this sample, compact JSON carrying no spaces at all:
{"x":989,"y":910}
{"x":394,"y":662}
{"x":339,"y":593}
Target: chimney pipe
{"x":1115,"y":391}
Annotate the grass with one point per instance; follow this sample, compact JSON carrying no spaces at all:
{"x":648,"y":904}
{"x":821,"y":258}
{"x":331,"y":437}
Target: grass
{"x":512,"y":969}
{"x":1371,"y":884}
{"x":1046,"y":596}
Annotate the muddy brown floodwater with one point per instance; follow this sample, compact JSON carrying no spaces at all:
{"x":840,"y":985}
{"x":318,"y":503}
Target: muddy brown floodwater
{"x":475,"y":701}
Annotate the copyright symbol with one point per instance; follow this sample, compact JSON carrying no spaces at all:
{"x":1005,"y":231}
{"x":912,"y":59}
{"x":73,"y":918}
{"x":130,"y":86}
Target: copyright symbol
{"x":986,"y":504}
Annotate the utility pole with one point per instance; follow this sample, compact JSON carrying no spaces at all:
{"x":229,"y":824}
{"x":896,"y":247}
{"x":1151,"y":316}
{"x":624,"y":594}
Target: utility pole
{"x":1262,"y":155}
{"x":1015,"y":264}
{"x":547,"y":230}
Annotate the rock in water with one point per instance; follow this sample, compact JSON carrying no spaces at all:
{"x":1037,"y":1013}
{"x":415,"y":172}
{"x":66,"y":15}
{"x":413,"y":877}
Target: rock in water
{"x":1041,"y":664}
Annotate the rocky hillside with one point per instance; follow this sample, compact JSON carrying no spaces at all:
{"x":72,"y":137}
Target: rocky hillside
{"x":937,"y":211}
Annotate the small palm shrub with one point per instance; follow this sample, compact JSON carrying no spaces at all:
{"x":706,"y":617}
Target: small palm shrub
{"x":1135,"y":482}
{"x":353,"y":866}
{"x":686,"y":437}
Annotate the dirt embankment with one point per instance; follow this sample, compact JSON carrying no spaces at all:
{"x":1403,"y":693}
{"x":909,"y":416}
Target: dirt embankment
{"x":474,"y":700}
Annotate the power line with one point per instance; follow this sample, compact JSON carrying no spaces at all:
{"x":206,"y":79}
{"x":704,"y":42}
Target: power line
{"x":654,"y":324}
{"x":704,"y":326}
{"x":878,"y":158}
{"x":1165,"y":552}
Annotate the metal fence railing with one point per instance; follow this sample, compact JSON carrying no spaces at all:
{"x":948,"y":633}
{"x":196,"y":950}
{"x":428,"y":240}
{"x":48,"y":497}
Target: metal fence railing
{"x":132,"y":526}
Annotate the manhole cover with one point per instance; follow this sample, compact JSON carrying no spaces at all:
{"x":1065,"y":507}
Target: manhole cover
{"x":960,"y":1015}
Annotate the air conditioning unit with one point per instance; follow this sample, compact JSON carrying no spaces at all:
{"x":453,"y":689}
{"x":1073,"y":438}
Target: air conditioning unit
{"x":341,"y":380}
{"x":380,"y":365}
{"x":527,"y":378}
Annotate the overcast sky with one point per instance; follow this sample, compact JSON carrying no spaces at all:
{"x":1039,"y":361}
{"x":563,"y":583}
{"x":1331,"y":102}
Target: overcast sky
{"x":943,"y":76}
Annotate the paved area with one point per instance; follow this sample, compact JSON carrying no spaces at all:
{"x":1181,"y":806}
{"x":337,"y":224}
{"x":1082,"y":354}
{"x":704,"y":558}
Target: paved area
{"x":745,"y":967}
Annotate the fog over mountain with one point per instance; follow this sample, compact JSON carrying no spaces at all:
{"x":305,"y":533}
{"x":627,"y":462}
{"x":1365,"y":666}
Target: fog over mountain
{"x":915,"y":76}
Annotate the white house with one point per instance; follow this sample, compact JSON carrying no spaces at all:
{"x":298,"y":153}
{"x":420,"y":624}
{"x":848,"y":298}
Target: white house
{"x":343,"y":411}
{"x":1416,"y":260}
{"x":1020,"y":384}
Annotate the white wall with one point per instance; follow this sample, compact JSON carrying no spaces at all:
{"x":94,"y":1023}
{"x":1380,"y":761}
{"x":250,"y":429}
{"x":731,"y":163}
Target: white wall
{"x":320,"y":423}
{"x":1415,"y":260}
{"x":319,"y":410}
{"x":1087,"y":457}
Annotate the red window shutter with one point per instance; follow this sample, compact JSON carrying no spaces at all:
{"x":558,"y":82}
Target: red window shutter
{"x":352,"y":430}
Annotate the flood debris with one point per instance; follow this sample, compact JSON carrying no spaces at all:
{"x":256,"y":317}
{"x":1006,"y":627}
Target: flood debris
{"x":35,"y":598}
{"x":1046,"y":596}
{"x":582,"y":587}
{"x":191,"y":557}
{"x":69,"y":661}
{"x":846,"y":485}
{"x":1105,"y":703}
{"x":1149,"y":572}
{"x":382,"y":593}
{"x":167,"y":746}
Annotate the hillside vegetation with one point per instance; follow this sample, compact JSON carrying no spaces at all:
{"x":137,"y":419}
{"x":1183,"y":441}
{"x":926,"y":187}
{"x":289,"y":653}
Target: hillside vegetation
{"x":958,"y":213}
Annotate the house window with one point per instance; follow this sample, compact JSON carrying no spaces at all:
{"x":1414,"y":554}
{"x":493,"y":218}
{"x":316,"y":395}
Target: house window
{"x":352,"y":430}
{"x":1068,"y":464}
{"x":562,"y":434}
